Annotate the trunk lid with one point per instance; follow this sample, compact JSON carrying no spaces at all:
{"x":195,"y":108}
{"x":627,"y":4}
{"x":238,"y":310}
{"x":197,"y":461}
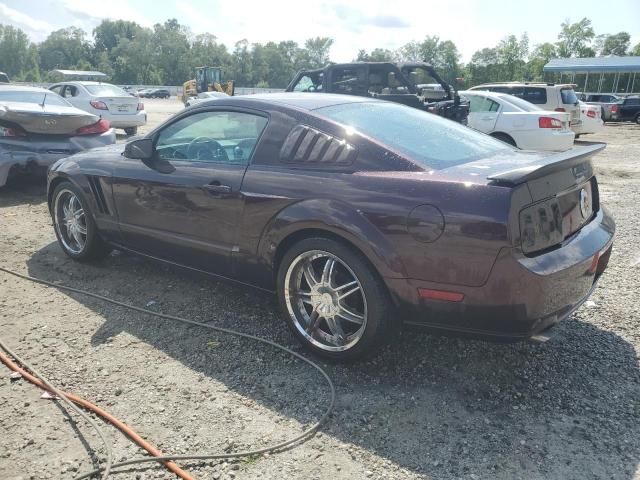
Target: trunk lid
{"x":121,"y":105}
{"x":47,"y":119}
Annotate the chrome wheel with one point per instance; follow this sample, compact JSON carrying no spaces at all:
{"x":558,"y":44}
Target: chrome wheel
{"x":70,"y":221}
{"x":326,"y":301}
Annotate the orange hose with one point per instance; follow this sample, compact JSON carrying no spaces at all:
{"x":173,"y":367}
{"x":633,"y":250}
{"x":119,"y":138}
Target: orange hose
{"x":173,"y":467}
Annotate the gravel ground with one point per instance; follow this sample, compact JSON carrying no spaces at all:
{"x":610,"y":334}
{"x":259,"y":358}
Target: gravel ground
{"x":428,"y":407}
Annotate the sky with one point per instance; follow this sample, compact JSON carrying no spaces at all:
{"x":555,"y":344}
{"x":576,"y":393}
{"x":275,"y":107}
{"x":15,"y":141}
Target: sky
{"x":353,"y":24}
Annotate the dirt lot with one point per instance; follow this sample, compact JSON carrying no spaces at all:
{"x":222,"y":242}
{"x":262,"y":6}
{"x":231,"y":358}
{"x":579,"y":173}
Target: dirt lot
{"x":428,"y":407}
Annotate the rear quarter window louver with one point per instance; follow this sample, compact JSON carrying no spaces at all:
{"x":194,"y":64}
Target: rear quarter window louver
{"x":308,"y":145}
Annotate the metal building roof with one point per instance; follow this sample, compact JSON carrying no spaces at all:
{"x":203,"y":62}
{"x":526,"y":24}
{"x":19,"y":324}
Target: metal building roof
{"x":594,"y":64}
{"x":80,"y":73}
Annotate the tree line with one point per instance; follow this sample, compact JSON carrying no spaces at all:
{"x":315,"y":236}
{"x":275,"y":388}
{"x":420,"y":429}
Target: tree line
{"x":168,"y":53}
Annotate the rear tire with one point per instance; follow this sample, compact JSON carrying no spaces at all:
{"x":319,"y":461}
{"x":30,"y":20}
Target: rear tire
{"x":74,"y":226}
{"x":503,"y":137}
{"x":131,"y":131}
{"x":637,"y":119}
{"x":333,"y":300}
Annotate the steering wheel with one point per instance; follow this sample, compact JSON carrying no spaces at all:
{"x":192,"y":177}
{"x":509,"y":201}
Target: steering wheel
{"x":311,"y":88}
{"x":199,"y":147}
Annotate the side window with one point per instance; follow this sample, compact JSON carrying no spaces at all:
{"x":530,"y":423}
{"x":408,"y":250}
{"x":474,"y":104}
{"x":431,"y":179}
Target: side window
{"x":57,"y":89}
{"x":490,"y":105}
{"x":349,"y":80}
{"x":306,"y":84}
{"x":213,"y":137}
{"x":535,"y":95}
{"x":632,"y":101}
{"x":70,"y":91}
{"x":475,"y":103}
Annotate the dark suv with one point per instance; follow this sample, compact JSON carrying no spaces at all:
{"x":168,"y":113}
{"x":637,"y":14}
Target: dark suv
{"x":629,"y":109}
{"x":414,"y":84}
{"x":157,"y":93}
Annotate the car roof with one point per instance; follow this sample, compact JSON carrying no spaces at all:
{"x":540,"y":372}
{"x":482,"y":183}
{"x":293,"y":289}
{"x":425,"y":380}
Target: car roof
{"x":525,"y":84}
{"x":22,"y":88}
{"x":302,"y":101}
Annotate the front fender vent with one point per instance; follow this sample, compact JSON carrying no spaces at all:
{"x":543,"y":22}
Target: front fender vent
{"x":308,"y":145}
{"x":98,"y":195}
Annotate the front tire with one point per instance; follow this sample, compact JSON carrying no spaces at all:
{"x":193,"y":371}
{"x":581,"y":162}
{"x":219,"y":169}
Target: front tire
{"x":333,"y":300}
{"x":74,"y":225}
{"x":638,"y":119}
{"x":131,"y":131}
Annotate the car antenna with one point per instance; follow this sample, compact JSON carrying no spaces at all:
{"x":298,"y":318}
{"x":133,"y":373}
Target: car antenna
{"x":44,"y":99}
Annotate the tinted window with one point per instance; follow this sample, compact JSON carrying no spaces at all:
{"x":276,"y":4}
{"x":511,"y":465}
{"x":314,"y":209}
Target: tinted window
{"x":106,"y":90}
{"x":568,"y":96}
{"x":220,"y":137}
{"x":632,"y":101}
{"x":349,"y":80}
{"x":520,"y":103}
{"x":517,"y":91}
{"x":33,"y":97}
{"x":426,"y":138}
{"x":535,"y":95}
{"x":482,"y":104}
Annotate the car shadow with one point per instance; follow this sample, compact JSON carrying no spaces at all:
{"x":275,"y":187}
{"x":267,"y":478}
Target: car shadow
{"x":19,"y":190}
{"x":434,"y":405}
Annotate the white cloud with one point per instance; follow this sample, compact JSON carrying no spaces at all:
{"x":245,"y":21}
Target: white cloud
{"x":36,"y":29}
{"x":93,"y":12}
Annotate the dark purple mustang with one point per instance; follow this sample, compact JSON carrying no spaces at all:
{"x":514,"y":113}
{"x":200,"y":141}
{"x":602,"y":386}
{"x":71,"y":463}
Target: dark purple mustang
{"x":360,"y":214}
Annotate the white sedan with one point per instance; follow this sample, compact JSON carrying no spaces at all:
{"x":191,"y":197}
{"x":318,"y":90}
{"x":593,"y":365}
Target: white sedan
{"x":204,"y":96}
{"x":106,"y":101}
{"x":518,"y":122}
{"x":591,"y":116}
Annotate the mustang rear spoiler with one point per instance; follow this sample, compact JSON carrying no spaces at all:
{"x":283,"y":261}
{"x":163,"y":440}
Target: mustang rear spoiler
{"x":550,"y":164}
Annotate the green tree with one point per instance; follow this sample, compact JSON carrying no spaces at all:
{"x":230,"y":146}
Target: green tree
{"x":376,"y":55}
{"x":574,"y":39}
{"x":64,"y":48}
{"x":316,"y":52}
{"x":442,"y":54}
{"x":14,"y":51}
{"x":617,"y":44}
{"x":636,"y":50}
{"x":539,"y":57}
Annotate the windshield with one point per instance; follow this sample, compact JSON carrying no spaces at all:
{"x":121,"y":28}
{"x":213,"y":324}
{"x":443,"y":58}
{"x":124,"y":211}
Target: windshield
{"x":568,"y":96}
{"x":105,"y":90}
{"x":519,"y":103}
{"x":424,"y":137}
{"x":27,"y":96}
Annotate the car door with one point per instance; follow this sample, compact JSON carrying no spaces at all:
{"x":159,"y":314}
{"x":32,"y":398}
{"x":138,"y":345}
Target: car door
{"x":185,"y":203}
{"x":483,"y":113}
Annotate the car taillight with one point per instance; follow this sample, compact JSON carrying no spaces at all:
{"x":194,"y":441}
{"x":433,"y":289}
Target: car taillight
{"x":12,"y":132}
{"x":614,"y":108}
{"x":140,"y":106}
{"x":100,"y":126}
{"x":99,"y":105}
{"x":591,"y":114}
{"x":549,"y":122}
{"x":560,"y":109}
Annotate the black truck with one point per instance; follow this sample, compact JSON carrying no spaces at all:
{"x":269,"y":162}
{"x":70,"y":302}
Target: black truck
{"x":629,"y":109}
{"x":417,"y":85}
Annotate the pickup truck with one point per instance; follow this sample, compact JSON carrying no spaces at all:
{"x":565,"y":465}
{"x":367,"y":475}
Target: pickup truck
{"x":407,"y":83}
{"x":608,"y":104}
{"x":629,"y":109}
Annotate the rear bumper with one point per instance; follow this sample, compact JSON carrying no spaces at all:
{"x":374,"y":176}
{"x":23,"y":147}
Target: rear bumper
{"x":523,"y":295}
{"x":545,"y":140}
{"x":127,"y":121}
{"x":46,"y":150}
{"x":591,"y":126}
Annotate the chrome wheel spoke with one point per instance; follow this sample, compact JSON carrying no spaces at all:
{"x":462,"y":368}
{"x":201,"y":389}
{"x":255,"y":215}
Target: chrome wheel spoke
{"x":77,"y":236}
{"x":314,"y":322}
{"x":345,"y":286}
{"x":349,"y":292}
{"x":336,"y":331}
{"x":350,"y":316}
{"x":309,"y":274}
{"x":327,"y":271}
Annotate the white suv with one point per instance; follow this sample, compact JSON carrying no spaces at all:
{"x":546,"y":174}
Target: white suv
{"x":548,"y":96}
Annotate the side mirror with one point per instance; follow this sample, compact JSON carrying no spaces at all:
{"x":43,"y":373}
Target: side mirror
{"x":141,"y":148}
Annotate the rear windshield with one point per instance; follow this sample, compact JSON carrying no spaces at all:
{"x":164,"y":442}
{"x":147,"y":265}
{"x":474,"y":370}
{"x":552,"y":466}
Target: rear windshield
{"x":521,"y":104}
{"x":105,"y":90}
{"x":423,"y":137}
{"x":568,"y":96}
{"x":33,"y":97}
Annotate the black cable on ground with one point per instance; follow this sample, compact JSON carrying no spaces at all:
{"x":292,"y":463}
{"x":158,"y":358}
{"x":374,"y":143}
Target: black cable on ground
{"x":280,"y":446}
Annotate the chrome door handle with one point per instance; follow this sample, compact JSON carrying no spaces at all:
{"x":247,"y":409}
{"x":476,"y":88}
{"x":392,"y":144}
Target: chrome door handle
{"x":217,"y":188}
